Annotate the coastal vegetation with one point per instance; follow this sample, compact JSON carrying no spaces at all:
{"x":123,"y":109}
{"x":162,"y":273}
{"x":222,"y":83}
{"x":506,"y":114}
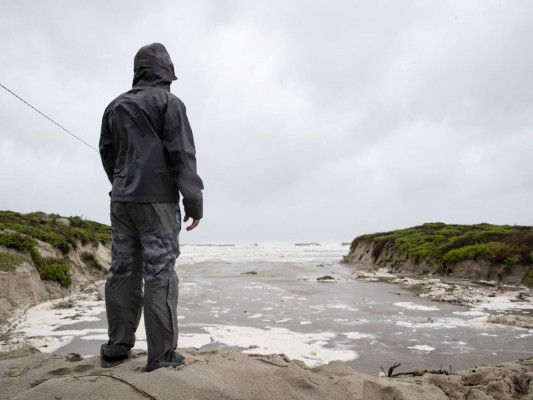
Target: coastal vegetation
{"x":8,"y":261}
{"x":446,"y":245}
{"x":22,"y":232}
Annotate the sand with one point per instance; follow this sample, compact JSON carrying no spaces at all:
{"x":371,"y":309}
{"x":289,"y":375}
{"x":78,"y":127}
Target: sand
{"x":226,"y":374}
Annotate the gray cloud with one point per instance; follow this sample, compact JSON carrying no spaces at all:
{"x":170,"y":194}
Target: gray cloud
{"x":313,"y":120}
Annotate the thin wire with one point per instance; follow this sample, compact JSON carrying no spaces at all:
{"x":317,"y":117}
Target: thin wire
{"x":48,"y":118}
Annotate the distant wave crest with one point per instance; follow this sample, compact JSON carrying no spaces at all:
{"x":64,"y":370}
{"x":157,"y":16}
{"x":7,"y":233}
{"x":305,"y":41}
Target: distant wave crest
{"x":210,"y":244}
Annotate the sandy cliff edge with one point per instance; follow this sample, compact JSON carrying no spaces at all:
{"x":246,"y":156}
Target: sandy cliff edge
{"x":227,"y":374}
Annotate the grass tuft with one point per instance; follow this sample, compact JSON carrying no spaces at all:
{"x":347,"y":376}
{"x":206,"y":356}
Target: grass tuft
{"x":9,"y":262}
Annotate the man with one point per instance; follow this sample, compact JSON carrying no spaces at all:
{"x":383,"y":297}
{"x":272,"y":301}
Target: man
{"x":147,"y":150}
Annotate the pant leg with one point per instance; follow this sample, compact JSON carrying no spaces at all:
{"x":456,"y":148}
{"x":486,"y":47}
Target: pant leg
{"x":123,"y":289}
{"x":159,"y":225}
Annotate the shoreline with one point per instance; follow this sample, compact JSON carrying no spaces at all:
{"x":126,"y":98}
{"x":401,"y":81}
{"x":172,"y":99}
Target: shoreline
{"x":49,"y":326}
{"x":273,"y":375}
{"x":492,"y":302}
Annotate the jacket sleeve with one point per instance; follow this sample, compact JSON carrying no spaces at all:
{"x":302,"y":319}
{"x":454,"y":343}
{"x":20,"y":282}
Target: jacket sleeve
{"x":179,"y":143}
{"x":107,"y":150}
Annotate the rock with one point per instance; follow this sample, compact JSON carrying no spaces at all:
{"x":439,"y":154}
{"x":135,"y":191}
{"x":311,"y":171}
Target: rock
{"x":398,"y":390}
{"x":520,"y":321}
{"x":476,"y":394}
{"x":325,"y":278}
{"x":63,"y":221}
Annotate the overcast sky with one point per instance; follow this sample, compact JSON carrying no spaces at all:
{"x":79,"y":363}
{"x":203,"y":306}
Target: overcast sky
{"x":313,"y":120}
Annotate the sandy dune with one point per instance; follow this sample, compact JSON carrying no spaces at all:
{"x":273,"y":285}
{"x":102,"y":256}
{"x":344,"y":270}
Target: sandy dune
{"x":221,"y":374}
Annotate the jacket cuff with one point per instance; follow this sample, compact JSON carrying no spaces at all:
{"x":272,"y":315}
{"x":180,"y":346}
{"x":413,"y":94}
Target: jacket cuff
{"x":193,"y":212}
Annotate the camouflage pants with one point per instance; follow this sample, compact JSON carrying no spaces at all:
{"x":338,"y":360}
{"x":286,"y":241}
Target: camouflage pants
{"x":145,"y":247}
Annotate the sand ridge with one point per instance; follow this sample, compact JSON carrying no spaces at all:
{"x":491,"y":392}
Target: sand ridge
{"x":227,"y":374}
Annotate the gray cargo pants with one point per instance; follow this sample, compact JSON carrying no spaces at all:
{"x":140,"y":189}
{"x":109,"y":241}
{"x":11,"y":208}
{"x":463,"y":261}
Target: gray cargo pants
{"x":145,"y":245}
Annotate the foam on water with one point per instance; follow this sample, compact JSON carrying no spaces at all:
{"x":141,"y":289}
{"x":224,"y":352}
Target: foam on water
{"x":43,"y":325}
{"x":422,"y":347}
{"x":503,"y":303}
{"x":412,"y":306}
{"x":309,"y":347}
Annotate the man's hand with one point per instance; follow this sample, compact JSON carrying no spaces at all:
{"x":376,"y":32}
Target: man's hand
{"x":194,"y":224}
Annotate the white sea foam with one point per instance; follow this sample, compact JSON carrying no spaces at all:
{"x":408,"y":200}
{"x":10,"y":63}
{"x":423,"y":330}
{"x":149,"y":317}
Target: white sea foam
{"x":38,"y":327}
{"x":196,"y":340}
{"x":434,"y":324}
{"x":358,"y":335}
{"x":503,"y":303}
{"x":422,"y":347}
{"x":470,"y":313}
{"x":413,"y":306}
{"x":339,"y":306}
{"x":308,"y":347}
{"x":102,"y":337}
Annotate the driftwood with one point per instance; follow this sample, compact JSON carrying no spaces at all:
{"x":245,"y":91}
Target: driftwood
{"x":390,"y":373}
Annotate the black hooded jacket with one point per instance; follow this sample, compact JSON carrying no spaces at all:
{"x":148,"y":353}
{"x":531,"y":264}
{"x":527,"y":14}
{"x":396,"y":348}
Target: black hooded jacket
{"x":146,"y":142}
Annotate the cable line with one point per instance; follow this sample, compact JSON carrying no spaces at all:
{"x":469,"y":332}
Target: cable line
{"x":49,"y":119}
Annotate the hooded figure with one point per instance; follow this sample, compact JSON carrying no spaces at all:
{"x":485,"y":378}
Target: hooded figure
{"x":152,"y":66}
{"x":148,"y":153}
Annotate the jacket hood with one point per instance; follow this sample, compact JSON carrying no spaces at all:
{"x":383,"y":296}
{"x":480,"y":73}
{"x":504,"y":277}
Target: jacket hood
{"x":152,"y":66}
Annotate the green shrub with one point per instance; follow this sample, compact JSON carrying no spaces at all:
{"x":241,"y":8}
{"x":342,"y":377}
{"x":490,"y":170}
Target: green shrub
{"x":419,"y":245}
{"x":9,"y":262}
{"x":77,"y":222}
{"x":513,"y":259}
{"x":90,"y":260}
{"x":83,"y":235}
{"x":492,"y":251}
{"x":16,"y":241}
{"x":51,"y":269}
{"x":45,"y":228}
{"x":24,"y":229}
{"x":444,"y":244}
{"x":55,"y":239}
{"x":56,"y":271}
{"x":527,"y":279}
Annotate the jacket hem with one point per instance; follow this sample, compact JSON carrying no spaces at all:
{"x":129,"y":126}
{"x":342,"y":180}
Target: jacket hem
{"x":145,"y":199}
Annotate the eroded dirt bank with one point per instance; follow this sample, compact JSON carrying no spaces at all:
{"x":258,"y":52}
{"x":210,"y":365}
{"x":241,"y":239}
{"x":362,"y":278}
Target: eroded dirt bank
{"x":23,"y":287}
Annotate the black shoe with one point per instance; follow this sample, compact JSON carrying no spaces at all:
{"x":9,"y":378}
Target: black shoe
{"x":107,"y":361}
{"x":178,"y":362}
